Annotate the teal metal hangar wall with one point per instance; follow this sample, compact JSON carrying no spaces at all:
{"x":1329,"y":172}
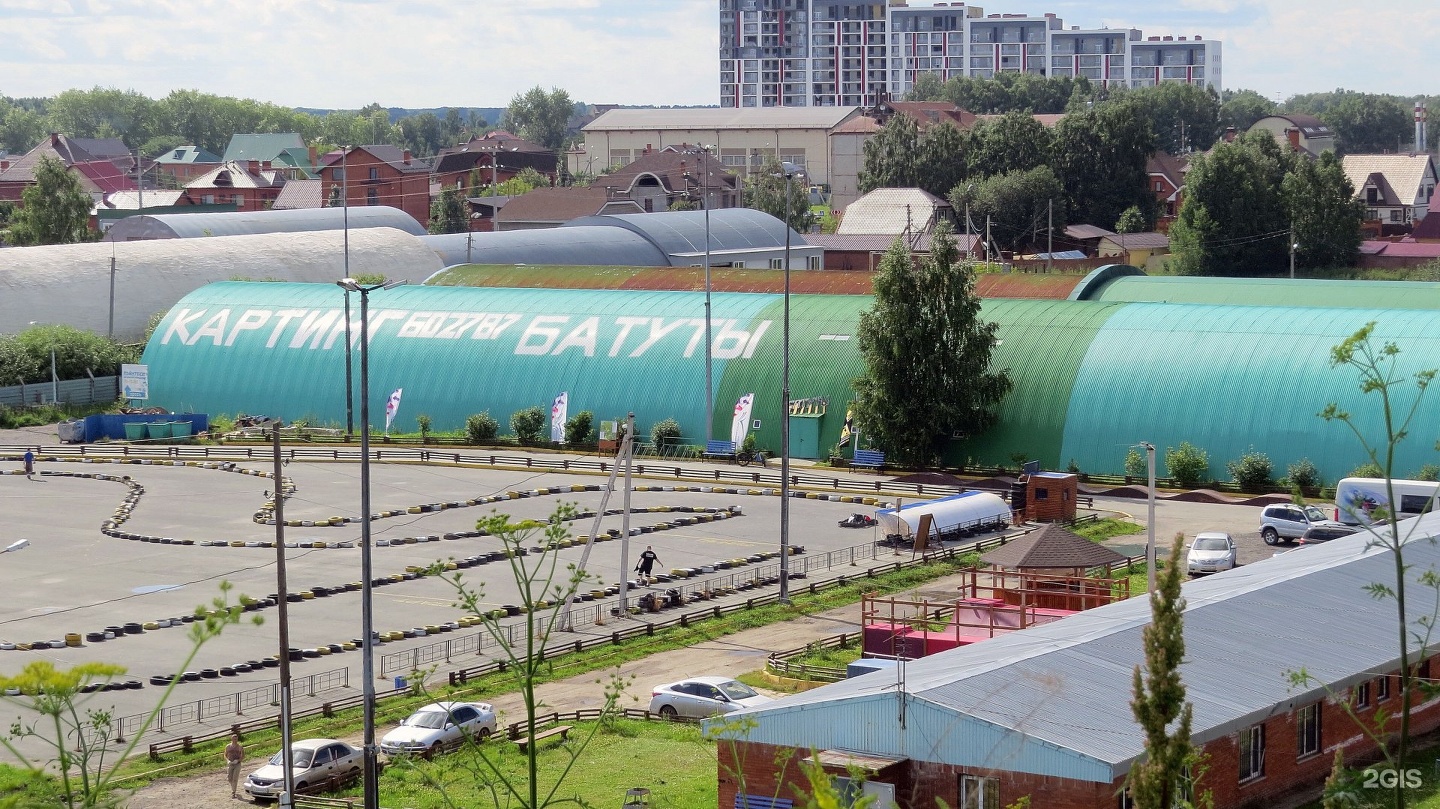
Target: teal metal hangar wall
{"x":1092,"y":378}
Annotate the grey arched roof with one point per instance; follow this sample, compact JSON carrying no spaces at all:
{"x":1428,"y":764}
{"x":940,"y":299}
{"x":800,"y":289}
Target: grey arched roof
{"x":70,"y":283}
{"x":572,"y":246}
{"x":683,"y":232}
{"x":241,"y":223}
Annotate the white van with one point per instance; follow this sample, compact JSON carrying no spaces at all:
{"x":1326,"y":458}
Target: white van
{"x":1356,"y":499}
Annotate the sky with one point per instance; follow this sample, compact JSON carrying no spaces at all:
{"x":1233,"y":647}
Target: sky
{"x":343,"y":54}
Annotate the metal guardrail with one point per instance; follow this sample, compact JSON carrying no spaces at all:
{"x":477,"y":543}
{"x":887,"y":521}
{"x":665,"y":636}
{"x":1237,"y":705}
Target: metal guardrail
{"x":236,"y":704}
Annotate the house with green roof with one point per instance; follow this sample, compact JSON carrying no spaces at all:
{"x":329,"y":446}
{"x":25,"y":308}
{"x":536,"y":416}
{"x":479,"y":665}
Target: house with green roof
{"x":185,"y":163}
{"x":265,"y":146}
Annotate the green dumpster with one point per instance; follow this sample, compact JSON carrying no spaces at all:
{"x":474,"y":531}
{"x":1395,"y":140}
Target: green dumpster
{"x":179,"y":429}
{"x":158,"y":429}
{"x":134,"y":430}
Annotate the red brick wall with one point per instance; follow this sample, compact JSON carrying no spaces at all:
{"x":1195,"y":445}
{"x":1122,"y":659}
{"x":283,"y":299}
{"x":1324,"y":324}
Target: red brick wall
{"x":1286,"y":782}
{"x":408,"y":192}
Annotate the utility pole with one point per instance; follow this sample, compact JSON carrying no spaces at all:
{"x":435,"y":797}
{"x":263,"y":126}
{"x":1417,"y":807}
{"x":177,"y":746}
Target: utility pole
{"x":282,"y":598}
{"x":987,"y":238}
{"x":1050,"y":237}
{"x":1294,"y":245}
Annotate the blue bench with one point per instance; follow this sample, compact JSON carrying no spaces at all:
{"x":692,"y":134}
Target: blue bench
{"x":720,"y":449}
{"x":869,"y":458}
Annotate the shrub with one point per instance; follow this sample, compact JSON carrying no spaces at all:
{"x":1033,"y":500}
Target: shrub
{"x":481,"y":427}
{"x":528,"y":424}
{"x":747,"y":447}
{"x":1074,"y":468}
{"x":1252,"y":471}
{"x":1304,"y":474}
{"x":1187,"y":464}
{"x":665,"y":433}
{"x":423,"y":422}
{"x":1369,"y":469}
{"x":1135,"y":464}
{"x":577,"y":429}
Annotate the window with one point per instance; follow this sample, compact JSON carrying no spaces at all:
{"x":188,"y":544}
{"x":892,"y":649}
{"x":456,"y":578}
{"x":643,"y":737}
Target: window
{"x":979,"y":792}
{"x":1252,"y":752}
{"x":238,"y":199}
{"x":337,"y":175}
{"x":777,"y":263}
{"x":1360,"y":695}
{"x":1382,"y":688}
{"x":1307,"y":730}
{"x":208,"y":199}
{"x":812,"y":262}
{"x":372,"y":197}
{"x":1042,"y":494}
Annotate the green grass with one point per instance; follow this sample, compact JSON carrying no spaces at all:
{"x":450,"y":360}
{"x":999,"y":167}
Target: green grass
{"x":12,"y":418}
{"x":1101,"y":530}
{"x":138,"y":771}
{"x":37,"y":789}
{"x":833,"y":656}
{"x":616,"y":759}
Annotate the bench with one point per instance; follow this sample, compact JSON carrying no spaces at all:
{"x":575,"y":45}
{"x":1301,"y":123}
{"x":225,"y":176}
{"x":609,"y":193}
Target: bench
{"x":871,"y":458}
{"x":719,"y":449}
{"x":563,"y":731}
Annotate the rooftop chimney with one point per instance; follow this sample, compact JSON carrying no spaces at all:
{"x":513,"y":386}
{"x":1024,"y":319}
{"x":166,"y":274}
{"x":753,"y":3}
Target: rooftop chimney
{"x":1294,"y":135}
{"x":314,"y":157}
{"x":252,"y":166}
{"x":1420,"y":127}
{"x":407,"y":157}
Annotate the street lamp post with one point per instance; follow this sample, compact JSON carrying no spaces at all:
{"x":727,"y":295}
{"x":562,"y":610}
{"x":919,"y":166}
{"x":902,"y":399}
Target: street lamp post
{"x":17,"y":545}
{"x":371,"y":769}
{"x":349,"y":364}
{"x":704,"y":151}
{"x":1150,"y":538}
{"x":790,"y":170}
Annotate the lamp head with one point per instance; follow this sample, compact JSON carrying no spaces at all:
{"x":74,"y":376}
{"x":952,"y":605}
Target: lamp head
{"x":16,"y":545}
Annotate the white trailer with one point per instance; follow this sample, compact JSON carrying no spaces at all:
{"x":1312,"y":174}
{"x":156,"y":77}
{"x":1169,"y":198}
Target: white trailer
{"x":1357,"y":499}
{"x":964,"y":510}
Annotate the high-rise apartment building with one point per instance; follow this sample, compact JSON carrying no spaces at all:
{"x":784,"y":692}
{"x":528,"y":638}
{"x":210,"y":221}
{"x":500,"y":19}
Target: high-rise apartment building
{"x":823,"y":53}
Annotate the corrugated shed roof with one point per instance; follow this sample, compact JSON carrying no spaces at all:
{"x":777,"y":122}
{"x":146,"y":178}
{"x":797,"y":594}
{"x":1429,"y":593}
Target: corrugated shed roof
{"x":187,"y":154}
{"x":680,"y":279}
{"x":1138,"y":241}
{"x":890,"y":212}
{"x":154,"y":198}
{"x":1412,"y":249}
{"x":70,"y":283}
{"x":1083,"y":232}
{"x":722,"y":118}
{"x":1272,"y":292}
{"x":238,"y":223}
{"x":1054,"y":699}
{"x":1052,"y":546}
{"x":300,"y":194}
{"x":261,"y":146}
{"x":1406,"y":174}
{"x":678,"y":233}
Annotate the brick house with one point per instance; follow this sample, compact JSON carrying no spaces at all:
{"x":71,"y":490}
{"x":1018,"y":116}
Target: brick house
{"x":1167,"y":181}
{"x":379,"y":175}
{"x":495,"y":157}
{"x":72,"y":152}
{"x":553,"y":207}
{"x":1044,"y":711}
{"x":658,"y":179}
{"x":249,"y":185}
{"x":185,"y":163}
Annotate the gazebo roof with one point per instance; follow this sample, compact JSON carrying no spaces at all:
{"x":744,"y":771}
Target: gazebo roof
{"x":1053,"y":546}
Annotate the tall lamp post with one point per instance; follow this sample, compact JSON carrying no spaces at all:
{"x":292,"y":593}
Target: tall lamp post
{"x":17,"y":545}
{"x":704,"y":151}
{"x":1150,"y":538}
{"x":349,"y":364}
{"x":790,"y":170}
{"x":371,"y":771}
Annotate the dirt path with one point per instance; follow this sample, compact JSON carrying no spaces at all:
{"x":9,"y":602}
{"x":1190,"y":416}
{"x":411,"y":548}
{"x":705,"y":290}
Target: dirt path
{"x":733,"y":655}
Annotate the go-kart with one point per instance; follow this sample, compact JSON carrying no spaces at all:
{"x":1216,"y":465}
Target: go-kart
{"x":857,"y":520}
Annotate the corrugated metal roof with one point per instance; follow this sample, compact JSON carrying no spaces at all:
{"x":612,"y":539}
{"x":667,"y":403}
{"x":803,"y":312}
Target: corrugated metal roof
{"x":722,"y":118}
{"x":241,"y":223}
{"x":683,"y":232}
{"x":1054,"y":699}
{"x":1407,"y":174}
{"x":890,"y":212}
{"x":601,"y":246}
{"x":1053,"y":546}
{"x":262,"y":146}
{"x":1271,"y":292}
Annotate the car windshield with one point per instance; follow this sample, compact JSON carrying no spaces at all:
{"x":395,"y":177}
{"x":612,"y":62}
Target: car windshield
{"x":426,"y":719}
{"x":1315,"y":514}
{"x":736,"y":690}
{"x":298,"y":758}
{"x":1211,"y":544}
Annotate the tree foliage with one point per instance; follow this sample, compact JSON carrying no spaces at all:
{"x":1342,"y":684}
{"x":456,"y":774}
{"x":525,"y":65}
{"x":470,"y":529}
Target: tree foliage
{"x":1234,"y":219}
{"x":1326,"y":217}
{"x":540,"y":117}
{"x":768,"y":189}
{"x":927,"y":354}
{"x":1242,"y":108}
{"x":1017,"y":204}
{"x":1366,"y":123}
{"x":1013,"y":142}
{"x":1188,"y":464}
{"x":1184,"y":117}
{"x":1158,"y":779}
{"x":1132,"y":220}
{"x":1005,"y":92}
{"x":892,"y":156}
{"x":1100,"y":155}
{"x":447,"y":212}
{"x":56,"y":209}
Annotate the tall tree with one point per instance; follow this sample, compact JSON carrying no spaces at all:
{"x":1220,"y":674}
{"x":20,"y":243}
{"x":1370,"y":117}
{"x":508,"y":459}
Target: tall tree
{"x":1016,"y":204}
{"x":945,"y":155}
{"x":892,"y":156}
{"x":1159,"y":779}
{"x":540,"y":117}
{"x":447,"y":212}
{"x":1242,"y":108}
{"x":1324,"y":212}
{"x":927,"y":354}
{"x":1364,"y":123}
{"x":56,"y":209}
{"x":1234,"y":219}
{"x":1184,"y":117}
{"x":767,"y":189}
{"x":20,"y":129}
{"x":1014,"y":142}
{"x":1100,"y":156}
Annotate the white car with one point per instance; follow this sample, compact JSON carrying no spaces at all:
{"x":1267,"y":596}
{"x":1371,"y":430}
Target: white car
{"x":314,"y":761}
{"x":438,"y":727}
{"x":1211,"y":552}
{"x":703,"y":697}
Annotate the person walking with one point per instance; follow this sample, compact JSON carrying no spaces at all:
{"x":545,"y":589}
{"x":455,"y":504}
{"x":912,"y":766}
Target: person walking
{"x":647,"y":562}
{"x":29,"y":465}
{"x":234,"y":755}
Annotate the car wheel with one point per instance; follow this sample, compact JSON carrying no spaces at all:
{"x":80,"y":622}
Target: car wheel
{"x":1270,"y":536}
{"x":435,"y":750}
{"x":668,"y":711}
{"x":483,"y":734}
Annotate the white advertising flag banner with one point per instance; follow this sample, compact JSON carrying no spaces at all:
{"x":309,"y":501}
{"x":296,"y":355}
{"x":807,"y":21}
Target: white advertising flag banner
{"x":391,"y":408}
{"x":741,"y":424}
{"x":558,"y":417}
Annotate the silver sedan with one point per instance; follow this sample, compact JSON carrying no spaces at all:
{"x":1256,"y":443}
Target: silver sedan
{"x":703,"y":697}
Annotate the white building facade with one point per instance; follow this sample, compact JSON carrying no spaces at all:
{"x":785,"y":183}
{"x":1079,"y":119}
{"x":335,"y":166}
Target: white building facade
{"x":824,"y":53}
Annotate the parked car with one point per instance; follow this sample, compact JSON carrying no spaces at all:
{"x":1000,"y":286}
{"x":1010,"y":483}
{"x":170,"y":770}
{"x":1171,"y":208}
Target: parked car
{"x":703,"y":697}
{"x":438,"y":727}
{"x":1285,"y":521}
{"x":1316,"y":534}
{"x":314,"y":761}
{"x":1211,"y":552}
